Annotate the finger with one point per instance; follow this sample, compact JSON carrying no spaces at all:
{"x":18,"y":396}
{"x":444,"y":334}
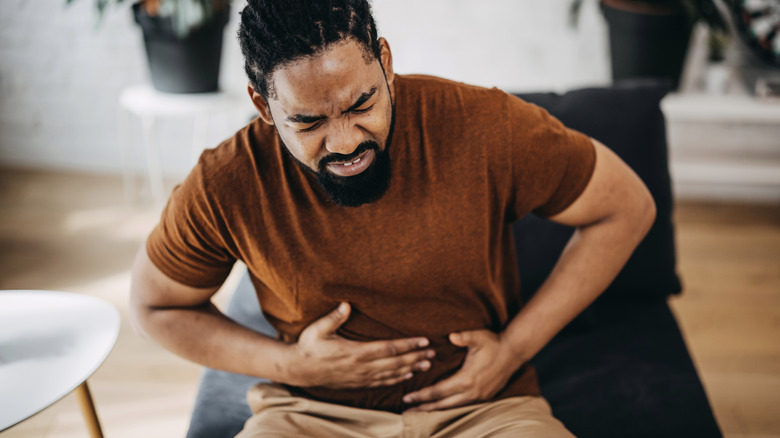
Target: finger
{"x":390,"y":381}
{"x":419,"y":360}
{"x":446,"y":403}
{"x":382,"y":349}
{"x":464,"y":339}
{"x":329,"y":323}
{"x":395,"y":372}
{"x":439,"y":391}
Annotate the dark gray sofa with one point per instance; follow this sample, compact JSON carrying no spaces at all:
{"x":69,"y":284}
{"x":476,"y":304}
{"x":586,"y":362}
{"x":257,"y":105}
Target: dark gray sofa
{"x":620,"y":369}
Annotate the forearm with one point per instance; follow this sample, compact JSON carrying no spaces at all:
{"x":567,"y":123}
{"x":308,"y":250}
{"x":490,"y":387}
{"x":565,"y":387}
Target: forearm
{"x":593,"y":257}
{"x":612,"y":215}
{"x":183,"y":320}
{"x":206,"y":336}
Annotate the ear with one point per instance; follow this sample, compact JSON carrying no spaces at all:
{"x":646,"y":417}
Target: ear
{"x":261,"y":104}
{"x":386,"y":58}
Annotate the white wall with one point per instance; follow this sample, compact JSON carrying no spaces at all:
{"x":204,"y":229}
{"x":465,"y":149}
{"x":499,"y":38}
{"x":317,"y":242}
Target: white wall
{"x":516,"y":45}
{"x":60,"y":78}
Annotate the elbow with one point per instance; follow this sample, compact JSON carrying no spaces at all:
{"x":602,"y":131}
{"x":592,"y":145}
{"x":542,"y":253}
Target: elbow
{"x":138,"y":315}
{"x":646,"y":213}
{"x":138,"y":303}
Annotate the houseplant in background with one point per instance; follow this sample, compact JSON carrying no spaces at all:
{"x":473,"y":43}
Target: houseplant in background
{"x":757,"y":24}
{"x":183,"y":41}
{"x":649,"y":38}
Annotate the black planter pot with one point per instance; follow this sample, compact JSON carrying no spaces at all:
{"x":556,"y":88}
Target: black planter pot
{"x":187,"y":65}
{"x":647,"y":45}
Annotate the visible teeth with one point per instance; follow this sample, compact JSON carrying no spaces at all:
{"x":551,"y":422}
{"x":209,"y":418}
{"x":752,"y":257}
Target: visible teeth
{"x":351,"y":163}
{"x":356,"y":161}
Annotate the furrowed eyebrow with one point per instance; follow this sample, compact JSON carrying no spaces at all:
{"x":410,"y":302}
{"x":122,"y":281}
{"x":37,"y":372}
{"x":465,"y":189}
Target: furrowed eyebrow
{"x":302,"y":118}
{"x":361,"y":100}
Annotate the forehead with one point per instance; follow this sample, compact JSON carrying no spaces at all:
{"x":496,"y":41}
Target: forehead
{"x":325,"y":82}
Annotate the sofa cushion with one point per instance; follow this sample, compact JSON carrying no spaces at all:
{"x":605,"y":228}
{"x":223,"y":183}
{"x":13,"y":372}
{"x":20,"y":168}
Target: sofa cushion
{"x":627,"y":118}
{"x":629,"y":376}
{"x":221,"y":408}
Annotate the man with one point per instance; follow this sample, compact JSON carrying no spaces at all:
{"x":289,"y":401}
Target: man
{"x":374,"y":212}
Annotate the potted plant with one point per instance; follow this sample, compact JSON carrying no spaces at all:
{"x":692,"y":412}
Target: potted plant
{"x":757,"y":27}
{"x":183,"y":41}
{"x":649,"y":38}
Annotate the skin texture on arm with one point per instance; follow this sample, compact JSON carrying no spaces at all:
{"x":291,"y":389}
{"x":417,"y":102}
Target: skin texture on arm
{"x":183,"y":320}
{"x":612,"y":216}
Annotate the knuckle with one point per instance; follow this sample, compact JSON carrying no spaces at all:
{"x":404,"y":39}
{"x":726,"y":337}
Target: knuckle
{"x":361,"y":355}
{"x":391,"y":349}
{"x":350,"y":360}
{"x":403,"y":361}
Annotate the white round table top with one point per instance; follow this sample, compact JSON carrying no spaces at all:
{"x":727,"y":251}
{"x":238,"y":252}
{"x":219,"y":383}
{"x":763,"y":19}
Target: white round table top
{"x":144,"y":100}
{"x":50,"y":343}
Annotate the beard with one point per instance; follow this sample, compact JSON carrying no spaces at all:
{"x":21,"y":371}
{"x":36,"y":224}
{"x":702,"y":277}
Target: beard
{"x":363,"y":188}
{"x":353,"y":191}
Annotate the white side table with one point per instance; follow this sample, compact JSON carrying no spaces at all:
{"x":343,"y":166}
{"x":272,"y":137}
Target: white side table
{"x":151,"y":106}
{"x":50,"y":344}
{"x":723,"y":146}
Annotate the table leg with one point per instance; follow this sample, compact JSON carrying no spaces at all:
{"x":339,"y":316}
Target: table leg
{"x":126,"y":148}
{"x":153,"y":159}
{"x":88,"y":410}
{"x":200,"y":133}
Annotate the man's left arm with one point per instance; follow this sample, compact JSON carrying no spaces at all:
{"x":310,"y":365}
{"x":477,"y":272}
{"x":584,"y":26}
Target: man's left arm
{"x":611,"y":216}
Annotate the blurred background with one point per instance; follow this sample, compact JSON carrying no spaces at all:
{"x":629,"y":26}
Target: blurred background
{"x":89,"y":150}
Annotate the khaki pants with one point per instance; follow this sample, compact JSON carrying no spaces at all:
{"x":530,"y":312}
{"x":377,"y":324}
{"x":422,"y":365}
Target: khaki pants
{"x":280,"y":415}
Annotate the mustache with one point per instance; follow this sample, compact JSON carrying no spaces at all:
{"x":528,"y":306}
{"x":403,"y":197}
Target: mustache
{"x":362,"y":147}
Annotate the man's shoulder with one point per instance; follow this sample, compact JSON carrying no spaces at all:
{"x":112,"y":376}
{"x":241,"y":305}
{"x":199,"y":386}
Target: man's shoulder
{"x":419,"y":83}
{"x":444,"y":96}
{"x":239,"y":157}
{"x":440,"y":83}
{"x":242,"y":146}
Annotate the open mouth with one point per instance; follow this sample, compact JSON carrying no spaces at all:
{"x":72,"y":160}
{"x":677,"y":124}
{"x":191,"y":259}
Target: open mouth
{"x":353,"y":167}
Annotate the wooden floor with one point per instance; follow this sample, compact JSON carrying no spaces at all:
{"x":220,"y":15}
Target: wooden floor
{"x":76,"y":233}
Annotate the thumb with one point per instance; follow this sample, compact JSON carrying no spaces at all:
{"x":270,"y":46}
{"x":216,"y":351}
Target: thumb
{"x":329,"y":323}
{"x":462,"y":339}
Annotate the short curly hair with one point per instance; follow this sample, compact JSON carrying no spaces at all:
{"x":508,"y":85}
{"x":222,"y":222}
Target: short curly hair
{"x":275,"y":32}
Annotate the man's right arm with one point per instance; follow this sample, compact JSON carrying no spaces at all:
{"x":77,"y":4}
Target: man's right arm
{"x":184,"y":320}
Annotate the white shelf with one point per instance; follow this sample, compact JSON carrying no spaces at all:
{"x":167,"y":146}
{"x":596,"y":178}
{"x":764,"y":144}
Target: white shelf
{"x":720,"y":108}
{"x":723,"y":147}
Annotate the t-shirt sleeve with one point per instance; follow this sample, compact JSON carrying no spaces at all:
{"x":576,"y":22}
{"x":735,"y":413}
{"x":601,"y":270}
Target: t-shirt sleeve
{"x":551,"y":164}
{"x":189,"y":243}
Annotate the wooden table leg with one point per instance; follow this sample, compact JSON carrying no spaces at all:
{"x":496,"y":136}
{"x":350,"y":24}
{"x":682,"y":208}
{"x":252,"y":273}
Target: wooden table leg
{"x":88,"y":410}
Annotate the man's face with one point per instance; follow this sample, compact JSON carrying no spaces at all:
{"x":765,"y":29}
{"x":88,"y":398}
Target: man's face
{"x":334,"y":114}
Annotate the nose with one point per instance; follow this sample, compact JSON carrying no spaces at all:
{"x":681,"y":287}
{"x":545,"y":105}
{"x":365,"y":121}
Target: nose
{"x":343,"y":138}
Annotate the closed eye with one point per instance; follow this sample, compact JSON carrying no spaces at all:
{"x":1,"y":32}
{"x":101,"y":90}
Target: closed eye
{"x":362,"y":110}
{"x":310,"y":128}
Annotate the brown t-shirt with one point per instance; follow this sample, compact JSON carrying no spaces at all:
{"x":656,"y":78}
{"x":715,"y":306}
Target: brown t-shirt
{"x":433,"y":256}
